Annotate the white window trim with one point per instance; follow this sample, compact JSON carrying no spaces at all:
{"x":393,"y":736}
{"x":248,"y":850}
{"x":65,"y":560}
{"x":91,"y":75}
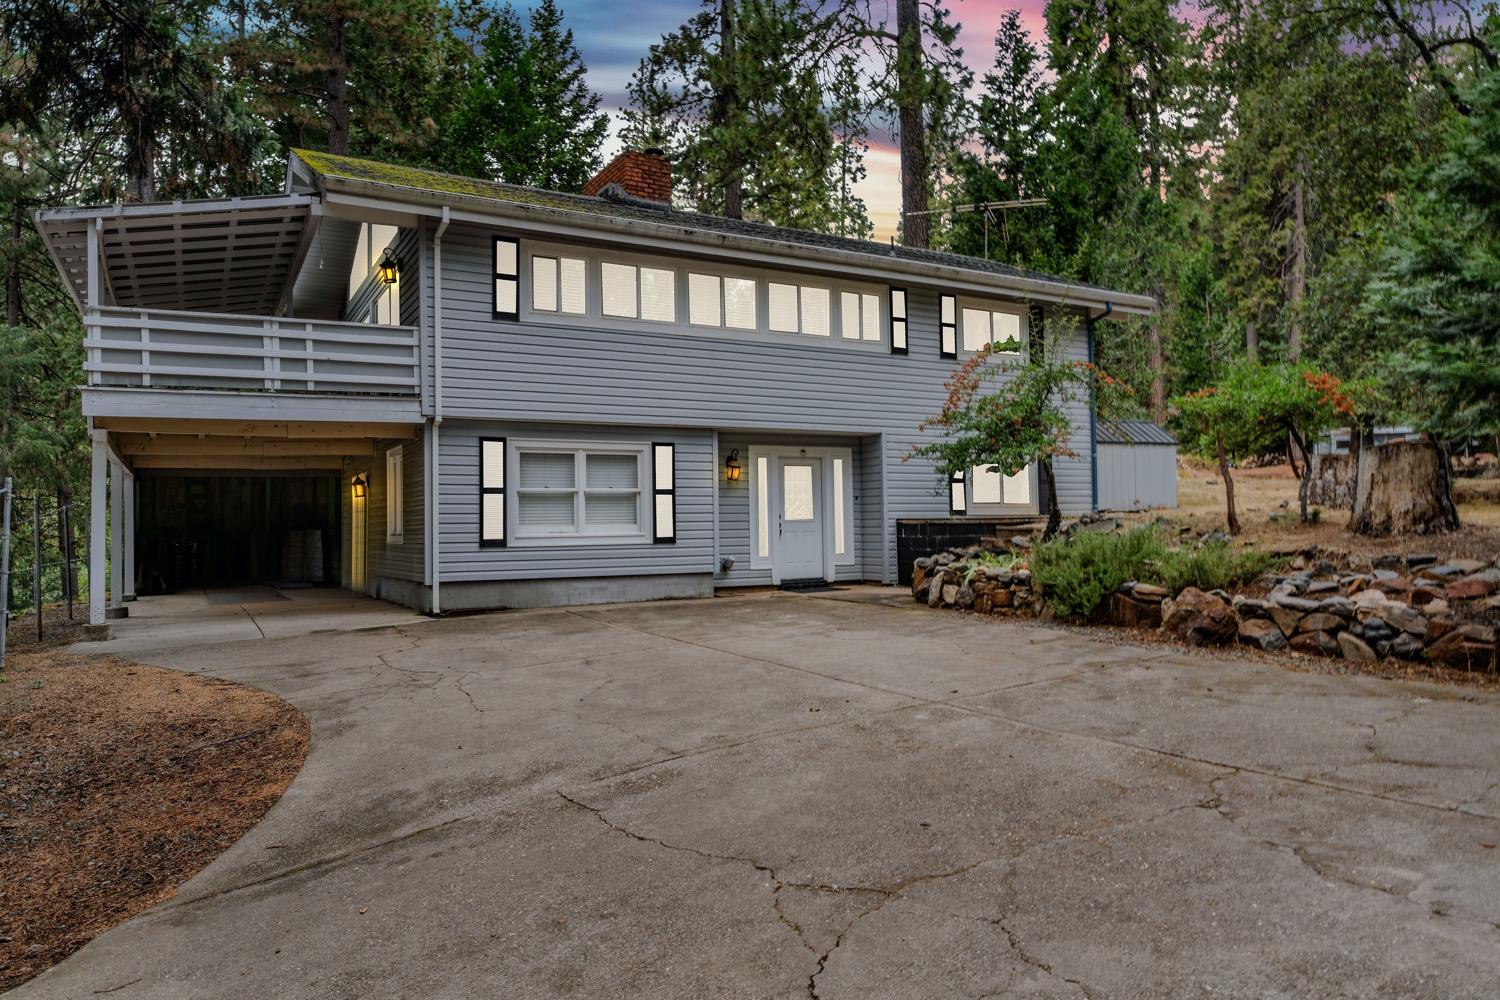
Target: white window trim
{"x":773,"y":455}
{"x":516,"y":533}
{"x":395,"y":495}
{"x":594,"y":320}
{"x":993,"y":305}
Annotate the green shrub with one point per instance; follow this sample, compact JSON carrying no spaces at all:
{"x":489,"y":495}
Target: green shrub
{"x":1207,"y":566}
{"x":994,"y":560}
{"x":1078,"y":574}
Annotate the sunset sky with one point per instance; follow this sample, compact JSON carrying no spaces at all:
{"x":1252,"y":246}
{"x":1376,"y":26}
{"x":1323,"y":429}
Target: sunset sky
{"x":613,"y":37}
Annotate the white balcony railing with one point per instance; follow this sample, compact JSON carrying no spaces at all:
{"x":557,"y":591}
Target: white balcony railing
{"x":192,"y":350}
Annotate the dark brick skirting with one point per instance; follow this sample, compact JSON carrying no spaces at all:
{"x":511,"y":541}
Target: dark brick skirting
{"x":915,"y":539}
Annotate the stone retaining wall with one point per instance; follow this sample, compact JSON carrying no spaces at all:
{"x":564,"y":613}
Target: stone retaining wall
{"x":1408,"y":608}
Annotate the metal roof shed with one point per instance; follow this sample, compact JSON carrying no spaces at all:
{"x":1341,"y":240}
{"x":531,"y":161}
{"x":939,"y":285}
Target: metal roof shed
{"x":1137,"y":465}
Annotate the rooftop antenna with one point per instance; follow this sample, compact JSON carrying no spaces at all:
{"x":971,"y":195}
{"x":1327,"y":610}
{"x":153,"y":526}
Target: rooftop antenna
{"x":989,"y":208}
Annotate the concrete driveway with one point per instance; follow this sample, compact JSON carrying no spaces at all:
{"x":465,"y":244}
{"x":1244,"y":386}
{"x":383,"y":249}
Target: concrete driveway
{"x":804,"y":796}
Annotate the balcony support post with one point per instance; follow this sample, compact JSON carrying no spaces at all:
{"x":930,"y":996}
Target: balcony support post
{"x":99,"y":454}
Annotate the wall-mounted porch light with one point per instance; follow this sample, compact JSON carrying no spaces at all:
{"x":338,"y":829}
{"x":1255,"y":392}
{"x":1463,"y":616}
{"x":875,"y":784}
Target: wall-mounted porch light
{"x":732,"y":466}
{"x":389,"y":268}
{"x":361,"y":486}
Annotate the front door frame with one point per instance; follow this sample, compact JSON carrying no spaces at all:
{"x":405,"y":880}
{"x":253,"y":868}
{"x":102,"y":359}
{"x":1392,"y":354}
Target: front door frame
{"x":822,"y":514}
{"x":773,"y":454}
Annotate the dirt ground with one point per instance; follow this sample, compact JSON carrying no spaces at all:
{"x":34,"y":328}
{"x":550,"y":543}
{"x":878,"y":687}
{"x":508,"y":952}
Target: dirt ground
{"x":1261,"y":492}
{"x":118,"y":782}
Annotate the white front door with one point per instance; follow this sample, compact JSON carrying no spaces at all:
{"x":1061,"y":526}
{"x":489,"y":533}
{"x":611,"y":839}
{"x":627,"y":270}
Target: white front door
{"x":799,"y":520}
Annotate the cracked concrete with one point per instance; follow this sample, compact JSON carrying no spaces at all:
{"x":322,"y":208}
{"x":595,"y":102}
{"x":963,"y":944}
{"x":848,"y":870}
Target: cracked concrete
{"x":796,"y":796}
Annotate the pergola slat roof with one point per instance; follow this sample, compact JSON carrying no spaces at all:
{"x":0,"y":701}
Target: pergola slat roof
{"x":223,"y":255}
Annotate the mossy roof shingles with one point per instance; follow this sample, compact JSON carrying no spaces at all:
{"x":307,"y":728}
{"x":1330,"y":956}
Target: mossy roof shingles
{"x":436,"y":182}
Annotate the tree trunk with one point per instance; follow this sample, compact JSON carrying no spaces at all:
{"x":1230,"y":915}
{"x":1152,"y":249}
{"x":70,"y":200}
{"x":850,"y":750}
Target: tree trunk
{"x":727,"y":104}
{"x":1157,"y":359}
{"x":1054,"y":516}
{"x":1295,"y":443}
{"x":916,"y":225}
{"x":1403,"y":488}
{"x":1232,"y":518}
{"x":1297,"y":286}
{"x":1252,"y":341}
{"x":335,"y":85}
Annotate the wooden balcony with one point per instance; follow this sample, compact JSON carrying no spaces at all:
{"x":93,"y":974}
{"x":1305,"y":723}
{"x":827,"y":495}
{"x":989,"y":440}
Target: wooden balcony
{"x":162,"y":348}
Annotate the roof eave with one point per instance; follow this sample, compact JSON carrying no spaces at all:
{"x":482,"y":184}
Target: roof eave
{"x":1112,"y":304}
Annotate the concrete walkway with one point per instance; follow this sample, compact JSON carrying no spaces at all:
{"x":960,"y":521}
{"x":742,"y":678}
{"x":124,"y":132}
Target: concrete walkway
{"x":198,"y":617}
{"x":797,"y":796}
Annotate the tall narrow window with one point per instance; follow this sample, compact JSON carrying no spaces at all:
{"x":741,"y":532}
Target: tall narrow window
{"x":815,"y":311}
{"x":507,"y":282}
{"x":840,"y":503}
{"x":762,"y":508}
{"x":492,"y":492}
{"x":957,"y":502}
{"x":948,"y":326}
{"x":898,"y":321}
{"x":870,"y":316}
{"x":395,"y":495}
{"x":664,"y":491}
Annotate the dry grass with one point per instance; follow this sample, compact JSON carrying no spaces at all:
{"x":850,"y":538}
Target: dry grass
{"x":1261,"y":492}
{"x":118,"y":782}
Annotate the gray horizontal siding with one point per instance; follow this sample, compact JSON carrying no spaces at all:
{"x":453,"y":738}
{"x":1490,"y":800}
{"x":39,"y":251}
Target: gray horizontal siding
{"x":405,"y":560}
{"x":463,"y":559}
{"x":527,"y":372}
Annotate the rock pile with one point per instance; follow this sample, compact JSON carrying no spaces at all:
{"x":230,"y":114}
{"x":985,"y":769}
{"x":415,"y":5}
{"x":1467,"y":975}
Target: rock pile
{"x":1410,"y":608}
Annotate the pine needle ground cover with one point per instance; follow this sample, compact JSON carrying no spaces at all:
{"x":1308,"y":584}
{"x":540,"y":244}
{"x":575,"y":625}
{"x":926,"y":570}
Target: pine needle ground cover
{"x":118,"y":782}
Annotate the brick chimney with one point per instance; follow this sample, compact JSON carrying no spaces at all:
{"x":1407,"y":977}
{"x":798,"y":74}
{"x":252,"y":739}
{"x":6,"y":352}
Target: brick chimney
{"x":644,"y":173}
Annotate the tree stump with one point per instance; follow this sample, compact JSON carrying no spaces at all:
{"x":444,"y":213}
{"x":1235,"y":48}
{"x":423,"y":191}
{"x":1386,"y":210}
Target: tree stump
{"x":1403,"y":488}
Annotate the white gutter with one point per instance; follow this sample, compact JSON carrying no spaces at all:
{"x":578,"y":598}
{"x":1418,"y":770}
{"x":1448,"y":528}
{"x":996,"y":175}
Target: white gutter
{"x":437,"y":407}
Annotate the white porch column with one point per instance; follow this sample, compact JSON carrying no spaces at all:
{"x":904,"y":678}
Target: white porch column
{"x":127,"y":533}
{"x":116,"y":524}
{"x":97,"y":499}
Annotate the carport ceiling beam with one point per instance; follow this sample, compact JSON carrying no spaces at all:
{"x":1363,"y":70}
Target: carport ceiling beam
{"x":237,"y":463}
{"x":293,"y":430}
{"x":192,"y":444}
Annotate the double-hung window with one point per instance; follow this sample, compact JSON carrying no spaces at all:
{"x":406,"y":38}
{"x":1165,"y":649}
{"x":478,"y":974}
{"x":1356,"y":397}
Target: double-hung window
{"x":982,"y":327}
{"x":558,"y":284}
{"x":632,"y":292}
{"x":797,"y":308}
{"x":715,"y":300}
{"x":579,"y":492}
{"x":859,"y":316}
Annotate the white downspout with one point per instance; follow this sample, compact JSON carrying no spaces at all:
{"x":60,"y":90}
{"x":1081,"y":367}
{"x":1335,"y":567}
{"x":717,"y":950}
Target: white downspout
{"x":437,"y":408}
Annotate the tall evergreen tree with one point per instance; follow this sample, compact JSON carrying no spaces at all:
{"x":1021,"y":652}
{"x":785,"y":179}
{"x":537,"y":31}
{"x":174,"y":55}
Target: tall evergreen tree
{"x":738,"y":97}
{"x":368,"y":77}
{"x":528,"y":116}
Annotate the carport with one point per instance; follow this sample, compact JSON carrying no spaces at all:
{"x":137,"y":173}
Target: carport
{"x":205,"y":503}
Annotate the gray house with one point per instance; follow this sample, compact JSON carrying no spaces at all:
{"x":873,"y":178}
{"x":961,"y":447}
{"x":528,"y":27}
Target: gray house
{"x":457,"y":394}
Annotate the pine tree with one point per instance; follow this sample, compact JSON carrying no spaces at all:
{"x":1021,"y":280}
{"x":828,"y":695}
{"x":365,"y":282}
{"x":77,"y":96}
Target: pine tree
{"x":738,"y":98}
{"x":527,"y":116}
